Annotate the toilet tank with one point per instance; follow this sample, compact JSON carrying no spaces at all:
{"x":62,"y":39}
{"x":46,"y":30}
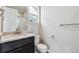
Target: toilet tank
{"x":37,"y":39}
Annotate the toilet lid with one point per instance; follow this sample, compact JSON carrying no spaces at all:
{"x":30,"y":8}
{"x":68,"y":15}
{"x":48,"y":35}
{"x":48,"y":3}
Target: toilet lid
{"x":41,"y":46}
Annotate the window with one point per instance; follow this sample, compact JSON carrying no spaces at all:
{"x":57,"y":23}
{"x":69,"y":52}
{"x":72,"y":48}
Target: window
{"x":33,"y":14}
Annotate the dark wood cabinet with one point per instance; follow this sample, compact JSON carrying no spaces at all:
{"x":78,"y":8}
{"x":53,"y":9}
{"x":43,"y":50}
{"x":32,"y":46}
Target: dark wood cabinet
{"x":25,"y":45}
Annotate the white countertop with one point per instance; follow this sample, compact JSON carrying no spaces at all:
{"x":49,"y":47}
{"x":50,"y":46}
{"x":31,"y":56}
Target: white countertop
{"x":8,"y":38}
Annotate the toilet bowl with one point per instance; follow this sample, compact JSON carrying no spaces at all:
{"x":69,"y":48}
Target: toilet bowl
{"x":42,"y":48}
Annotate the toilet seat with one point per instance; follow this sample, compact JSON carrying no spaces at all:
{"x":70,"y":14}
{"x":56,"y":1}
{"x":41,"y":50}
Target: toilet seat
{"x":41,"y":46}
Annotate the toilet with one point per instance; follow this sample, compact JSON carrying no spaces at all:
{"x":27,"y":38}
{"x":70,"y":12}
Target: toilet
{"x":42,"y":48}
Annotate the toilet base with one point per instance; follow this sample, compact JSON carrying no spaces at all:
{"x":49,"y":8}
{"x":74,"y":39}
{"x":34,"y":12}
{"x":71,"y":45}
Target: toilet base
{"x":37,"y":51}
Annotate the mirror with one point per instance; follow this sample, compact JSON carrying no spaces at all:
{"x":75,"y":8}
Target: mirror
{"x":21,"y":19}
{"x":15,"y":18}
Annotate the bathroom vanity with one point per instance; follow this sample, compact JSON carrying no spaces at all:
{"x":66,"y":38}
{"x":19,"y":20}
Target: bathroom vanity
{"x":13,"y":21}
{"x":17,"y":44}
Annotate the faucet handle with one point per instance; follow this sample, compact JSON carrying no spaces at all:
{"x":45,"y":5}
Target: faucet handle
{"x":53,"y":36}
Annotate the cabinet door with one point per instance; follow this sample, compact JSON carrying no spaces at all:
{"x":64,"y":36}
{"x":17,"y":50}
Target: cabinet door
{"x":9,"y":46}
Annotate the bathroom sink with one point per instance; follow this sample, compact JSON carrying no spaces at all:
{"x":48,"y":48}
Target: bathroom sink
{"x":12,"y":37}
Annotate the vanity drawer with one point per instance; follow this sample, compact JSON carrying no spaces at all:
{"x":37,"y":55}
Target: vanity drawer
{"x":16,"y":44}
{"x":28,"y":48}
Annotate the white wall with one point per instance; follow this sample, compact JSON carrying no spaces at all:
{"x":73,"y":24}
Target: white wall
{"x":67,"y":37}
